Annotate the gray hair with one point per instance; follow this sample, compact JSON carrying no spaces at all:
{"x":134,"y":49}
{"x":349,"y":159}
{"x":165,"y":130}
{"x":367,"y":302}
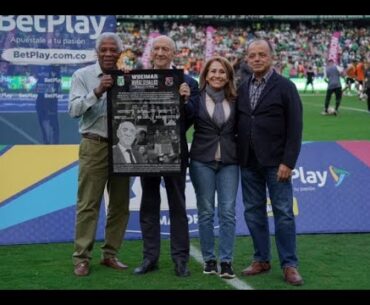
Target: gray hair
{"x":109,"y":35}
{"x":169,"y":39}
{"x":259,"y":40}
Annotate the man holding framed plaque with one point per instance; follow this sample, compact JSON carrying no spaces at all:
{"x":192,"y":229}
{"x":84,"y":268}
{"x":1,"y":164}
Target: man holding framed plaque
{"x":88,"y":102}
{"x":162,"y":54}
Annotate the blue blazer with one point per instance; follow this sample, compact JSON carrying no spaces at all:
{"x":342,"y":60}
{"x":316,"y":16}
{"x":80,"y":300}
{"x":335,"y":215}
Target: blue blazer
{"x":274,"y":127}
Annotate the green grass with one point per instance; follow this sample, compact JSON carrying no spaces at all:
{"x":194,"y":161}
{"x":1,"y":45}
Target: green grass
{"x":327,"y":261}
{"x":352,"y":123}
{"x":49,"y":266}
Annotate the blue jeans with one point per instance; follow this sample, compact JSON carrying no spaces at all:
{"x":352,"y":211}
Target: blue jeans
{"x":209,"y":178}
{"x":254,"y":182}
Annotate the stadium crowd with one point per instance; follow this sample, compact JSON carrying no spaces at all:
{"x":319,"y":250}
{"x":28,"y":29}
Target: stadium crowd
{"x":298,"y":44}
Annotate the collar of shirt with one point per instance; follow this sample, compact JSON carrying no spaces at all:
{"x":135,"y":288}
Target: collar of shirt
{"x":264,"y":78}
{"x":98,"y":70}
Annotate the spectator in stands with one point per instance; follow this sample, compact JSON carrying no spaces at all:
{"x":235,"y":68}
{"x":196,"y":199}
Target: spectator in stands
{"x":333,"y":74}
{"x":137,"y":60}
{"x":241,"y":69}
{"x":130,"y":59}
{"x":245,"y":70}
{"x":269,"y":139}
{"x":214,"y":165}
{"x":162,"y":54}
{"x":88,"y":101}
{"x":301,"y":42}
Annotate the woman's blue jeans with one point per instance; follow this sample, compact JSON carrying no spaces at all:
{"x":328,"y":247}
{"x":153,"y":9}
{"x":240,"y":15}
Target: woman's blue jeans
{"x":208,"y":179}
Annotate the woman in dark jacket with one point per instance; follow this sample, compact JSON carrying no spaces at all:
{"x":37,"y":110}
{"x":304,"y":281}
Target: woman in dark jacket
{"x":213,"y":166}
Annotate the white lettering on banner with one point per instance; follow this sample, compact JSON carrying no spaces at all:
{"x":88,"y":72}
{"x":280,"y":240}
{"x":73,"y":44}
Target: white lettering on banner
{"x":192,"y":219}
{"x":310,"y":177}
{"x":25,"y":56}
{"x":164,"y":221}
{"x":42,"y":40}
{"x":28,"y":23}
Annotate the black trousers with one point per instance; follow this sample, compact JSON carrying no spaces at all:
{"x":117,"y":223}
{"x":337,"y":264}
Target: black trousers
{"x":338,"y":97}
{"x":150,"y":217}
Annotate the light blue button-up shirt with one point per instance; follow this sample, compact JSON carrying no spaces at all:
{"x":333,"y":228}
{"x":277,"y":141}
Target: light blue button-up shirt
{"x":83,"y":102}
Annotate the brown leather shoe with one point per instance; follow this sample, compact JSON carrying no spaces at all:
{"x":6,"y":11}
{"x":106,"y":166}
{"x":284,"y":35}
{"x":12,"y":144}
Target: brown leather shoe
{"x":256,"y":268}
{"x":292,"y":276}
{"x":114,"y":263}
{"x":82,"y":269}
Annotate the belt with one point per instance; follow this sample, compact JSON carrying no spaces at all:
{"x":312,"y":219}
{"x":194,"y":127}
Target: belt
{"x":93,"y":136}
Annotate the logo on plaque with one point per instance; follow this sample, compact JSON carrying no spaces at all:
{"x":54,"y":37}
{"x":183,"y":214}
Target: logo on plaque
{"x":168,"y":81}
{"x":120,"y":81}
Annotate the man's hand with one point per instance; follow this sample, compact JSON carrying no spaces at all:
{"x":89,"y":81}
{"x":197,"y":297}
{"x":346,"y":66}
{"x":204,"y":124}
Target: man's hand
{"x":184,"y":91}
{"x":284,"y":173}
{"x":106,"y":82}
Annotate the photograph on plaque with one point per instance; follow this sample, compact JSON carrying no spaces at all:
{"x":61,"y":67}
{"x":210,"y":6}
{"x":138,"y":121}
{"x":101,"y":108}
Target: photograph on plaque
{"x":144,"y":122}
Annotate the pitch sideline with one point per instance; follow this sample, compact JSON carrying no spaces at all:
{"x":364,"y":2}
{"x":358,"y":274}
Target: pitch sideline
{"x":235,"y":282}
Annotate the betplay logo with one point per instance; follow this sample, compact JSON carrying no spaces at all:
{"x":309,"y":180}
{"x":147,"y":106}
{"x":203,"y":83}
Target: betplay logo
{"x":43,"y":23}
{"x":319,"y":178}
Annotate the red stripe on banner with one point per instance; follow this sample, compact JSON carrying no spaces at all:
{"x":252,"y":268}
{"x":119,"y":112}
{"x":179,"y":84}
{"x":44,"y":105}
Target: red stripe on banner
{"x":360,"y":149}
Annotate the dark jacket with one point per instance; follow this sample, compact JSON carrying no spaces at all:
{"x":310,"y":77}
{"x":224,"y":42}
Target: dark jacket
{"x":207,"y":135}
{"x":274,"y":127}
{"x":187,"y":112}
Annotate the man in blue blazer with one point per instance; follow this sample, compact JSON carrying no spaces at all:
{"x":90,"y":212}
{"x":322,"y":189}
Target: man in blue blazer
{"x":269,"y":138}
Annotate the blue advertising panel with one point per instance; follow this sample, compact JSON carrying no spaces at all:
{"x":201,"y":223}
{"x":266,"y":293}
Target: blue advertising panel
{"x":330,"y":185}
{"x":39,"y":53}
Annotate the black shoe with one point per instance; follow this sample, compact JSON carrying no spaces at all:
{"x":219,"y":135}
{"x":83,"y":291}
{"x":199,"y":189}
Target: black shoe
{"x":181,"y":269}
{"x":146,"y":266}
{"x":210,"y":267}
{"x":227,"y":271}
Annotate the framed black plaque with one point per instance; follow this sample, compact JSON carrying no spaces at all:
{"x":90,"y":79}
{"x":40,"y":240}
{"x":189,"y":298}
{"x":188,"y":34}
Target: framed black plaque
{"x":144,"y":122}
